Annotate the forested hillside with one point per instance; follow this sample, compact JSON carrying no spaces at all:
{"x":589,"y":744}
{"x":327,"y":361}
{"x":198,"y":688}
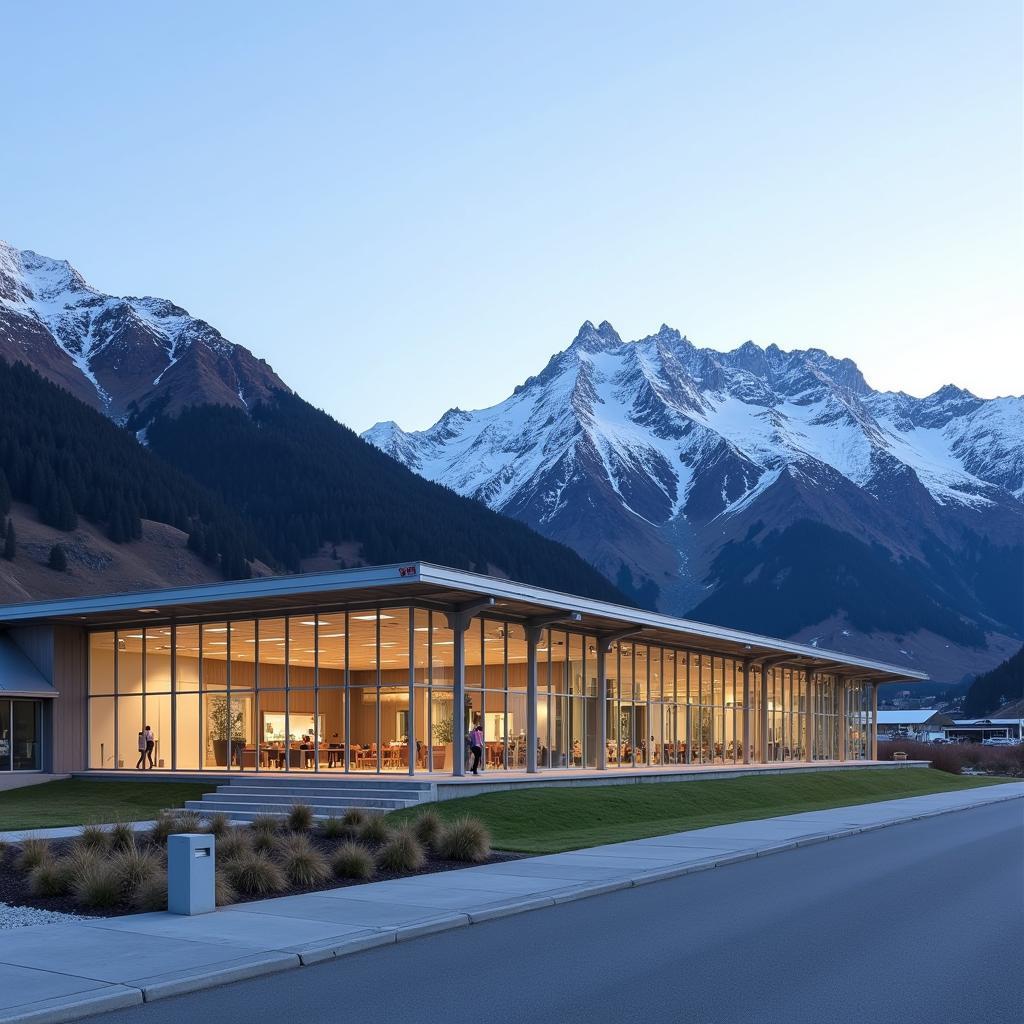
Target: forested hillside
{"x":303,"y":480}
{"x":67,"y":461}
{"x":989,"y":691}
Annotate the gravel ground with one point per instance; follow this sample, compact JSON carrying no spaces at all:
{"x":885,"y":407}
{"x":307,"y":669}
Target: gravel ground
{"x":25,"y":917}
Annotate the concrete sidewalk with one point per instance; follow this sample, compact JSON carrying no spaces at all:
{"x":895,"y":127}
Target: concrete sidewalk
{"x":62,"y":972}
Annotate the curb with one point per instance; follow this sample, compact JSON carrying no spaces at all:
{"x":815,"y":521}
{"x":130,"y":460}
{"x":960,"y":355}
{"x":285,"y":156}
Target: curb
{"x":74,"y":1007}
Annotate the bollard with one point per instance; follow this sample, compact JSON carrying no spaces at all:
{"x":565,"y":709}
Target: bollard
{"x":191,"y":863}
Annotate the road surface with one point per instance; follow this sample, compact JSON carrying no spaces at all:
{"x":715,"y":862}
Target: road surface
{"x":922,"y":922}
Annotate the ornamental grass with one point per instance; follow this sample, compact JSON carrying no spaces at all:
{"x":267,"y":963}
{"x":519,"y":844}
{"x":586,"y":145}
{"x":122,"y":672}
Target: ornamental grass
{"x":402,"y":852}
{"x":466,"y":840}
{"x":255,"y":874}
{"x":353,"y":861}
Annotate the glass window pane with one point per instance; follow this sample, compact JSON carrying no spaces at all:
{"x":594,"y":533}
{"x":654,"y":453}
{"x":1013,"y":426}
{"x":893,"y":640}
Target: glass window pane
{"x":101,"y":662}
{"x":26,"y":731}
{"x":301,"y":650}
{"x":158,"y":661}
{"x":270,"y":645}
{"x":102,"y":750}
{"x":186,"y":660}
{"x":129,"y":660}
{"x":186,"y":732}
{"x":242,"y":637}
{"x":129,"y":732}
{"x":331,"y":649}
{"x":160,"y":720}
{"x":214,"y":639}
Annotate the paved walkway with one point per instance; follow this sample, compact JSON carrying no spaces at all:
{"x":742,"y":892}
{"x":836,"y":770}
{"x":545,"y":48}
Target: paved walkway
{"x":61,"y":972}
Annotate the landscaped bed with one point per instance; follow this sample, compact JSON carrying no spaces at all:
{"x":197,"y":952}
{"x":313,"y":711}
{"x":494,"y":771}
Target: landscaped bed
{"x":116,"y":870}
{"x":554,"y":819}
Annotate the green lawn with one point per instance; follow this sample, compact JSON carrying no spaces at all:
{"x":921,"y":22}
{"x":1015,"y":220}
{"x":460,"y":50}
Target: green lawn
{"x":549,"y":820}
{"x":83,"y":801}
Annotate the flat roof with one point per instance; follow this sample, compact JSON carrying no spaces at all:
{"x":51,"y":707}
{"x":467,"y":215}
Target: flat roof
{"x":440,"y":587}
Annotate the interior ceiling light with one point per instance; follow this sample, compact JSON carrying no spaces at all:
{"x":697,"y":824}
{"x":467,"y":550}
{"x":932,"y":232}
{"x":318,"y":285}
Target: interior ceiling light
{"x":372,"y":618}
{"x":215,"y":629}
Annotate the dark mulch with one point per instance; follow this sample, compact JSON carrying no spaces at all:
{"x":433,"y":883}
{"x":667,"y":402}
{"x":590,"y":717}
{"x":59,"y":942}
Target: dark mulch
{"x":14,"y":888}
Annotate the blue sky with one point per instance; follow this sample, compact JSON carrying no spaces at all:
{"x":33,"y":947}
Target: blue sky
{"x":410,"y":206}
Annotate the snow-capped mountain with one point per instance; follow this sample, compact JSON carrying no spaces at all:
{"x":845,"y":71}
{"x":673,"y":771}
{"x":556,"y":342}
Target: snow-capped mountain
{"x":123,"y":355}
{"x":650,"y":457}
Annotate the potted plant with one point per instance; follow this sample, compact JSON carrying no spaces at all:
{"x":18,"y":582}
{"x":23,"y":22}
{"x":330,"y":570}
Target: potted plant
{"x":224,"y":718}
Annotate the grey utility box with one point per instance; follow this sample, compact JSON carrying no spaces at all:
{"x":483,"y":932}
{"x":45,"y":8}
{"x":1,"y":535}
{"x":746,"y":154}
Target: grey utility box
{"x":191,"y":865}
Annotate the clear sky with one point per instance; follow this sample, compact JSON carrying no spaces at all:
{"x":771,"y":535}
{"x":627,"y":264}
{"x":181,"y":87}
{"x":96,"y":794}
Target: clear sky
{"x":410,"y":206}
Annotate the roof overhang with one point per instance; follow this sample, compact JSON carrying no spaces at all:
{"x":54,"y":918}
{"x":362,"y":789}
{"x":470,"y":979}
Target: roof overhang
{"x":18,"y":676}
{"x":442,"y":588}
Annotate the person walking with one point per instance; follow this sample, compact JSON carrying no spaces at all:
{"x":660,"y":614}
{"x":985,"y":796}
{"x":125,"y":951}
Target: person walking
{"x":476,"y":747}
{"x":147,"y":742}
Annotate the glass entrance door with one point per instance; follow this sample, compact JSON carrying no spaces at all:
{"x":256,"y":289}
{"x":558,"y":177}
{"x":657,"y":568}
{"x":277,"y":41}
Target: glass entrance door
{"x":21,"y":727}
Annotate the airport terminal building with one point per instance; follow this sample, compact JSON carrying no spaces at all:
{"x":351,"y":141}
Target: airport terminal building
{"x":385,"y":670}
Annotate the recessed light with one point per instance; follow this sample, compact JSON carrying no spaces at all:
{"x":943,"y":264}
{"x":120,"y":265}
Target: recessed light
{"x":148,"y":611}
{"x":324,"y":636}
{"x":372,"y":618}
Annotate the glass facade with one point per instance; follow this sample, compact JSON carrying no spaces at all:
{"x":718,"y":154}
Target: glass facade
{"x":21,"y":732}
{"x":373,"y":690}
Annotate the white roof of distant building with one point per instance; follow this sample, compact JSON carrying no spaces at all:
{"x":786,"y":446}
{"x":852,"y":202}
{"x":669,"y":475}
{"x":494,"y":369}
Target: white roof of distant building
{"x":918,"y":717}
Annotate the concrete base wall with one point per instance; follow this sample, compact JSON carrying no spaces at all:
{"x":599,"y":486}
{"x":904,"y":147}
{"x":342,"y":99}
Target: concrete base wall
{"x":18,"y":780}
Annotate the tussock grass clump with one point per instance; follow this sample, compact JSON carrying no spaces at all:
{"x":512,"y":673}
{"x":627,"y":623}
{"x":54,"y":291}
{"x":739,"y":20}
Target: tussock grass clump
{"x":163,"y":826}
{"x":51,"y":878}
{"x":353,"y":861}
{"x":354,"y":818}
{"x":270,"y":823}
{"x":96,"y":882}
{"x":223,"y":891}
{"x":374,"y":829}
{"x":151,"y":894}
{"x":122,"y":836}
{"x":428,"y":827}
{"x":300,"y":817}
{"x":255,"y":874}
{"x":187,"y":821}
{"x":136,"y":867}
{"x":402,"y":852}
{"x":218,"y":824}
{"x":465,"y":839}
{"x":34,"y":851}
{"x":265,"y":842}
{"x":236,"y":842}
{"x":335,"y":828}
{"x":93,"y":837}
{"x":303,"y":863}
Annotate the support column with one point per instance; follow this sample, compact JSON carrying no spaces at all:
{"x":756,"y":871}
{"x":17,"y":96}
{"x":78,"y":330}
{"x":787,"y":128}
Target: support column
{"x":812,"y":679}
{"x":458,"y":622}
{"x":532,"y":635}
{"x":746,"y":712}
{"x":410,"y":732}
{"x":873,"y":735}
{"x":762,"y":724}
{"x":844,"y":725}
{"x":602,"y":704}
{"x":459,"y":709}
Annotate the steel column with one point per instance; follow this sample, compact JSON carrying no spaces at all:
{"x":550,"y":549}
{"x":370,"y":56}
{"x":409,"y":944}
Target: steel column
{"x":746,"y":712}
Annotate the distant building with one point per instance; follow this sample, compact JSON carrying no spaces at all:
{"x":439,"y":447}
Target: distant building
{"x":980,"y":729}
{"x":925,"y":724}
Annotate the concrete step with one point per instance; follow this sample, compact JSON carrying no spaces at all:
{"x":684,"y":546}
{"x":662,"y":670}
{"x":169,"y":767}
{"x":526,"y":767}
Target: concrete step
{"x":324,"y":801}
{"x":251,"y":815}
{"x":246,"y":812}
{"x":404,"y":792}
{"x":319,"y":782}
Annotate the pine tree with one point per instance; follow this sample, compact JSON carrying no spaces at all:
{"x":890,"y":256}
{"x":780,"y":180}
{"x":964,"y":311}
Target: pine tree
{"x":10,"y":541}
{"x":58,"y":560}
{"x":5,"y":494}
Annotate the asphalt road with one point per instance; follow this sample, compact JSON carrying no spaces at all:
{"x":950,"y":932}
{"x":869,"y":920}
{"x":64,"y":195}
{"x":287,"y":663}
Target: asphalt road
{"x":921,"y":922}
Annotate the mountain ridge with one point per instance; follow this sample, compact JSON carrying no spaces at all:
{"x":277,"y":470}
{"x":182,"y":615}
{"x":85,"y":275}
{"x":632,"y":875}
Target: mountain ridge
{"x":650,"y":457}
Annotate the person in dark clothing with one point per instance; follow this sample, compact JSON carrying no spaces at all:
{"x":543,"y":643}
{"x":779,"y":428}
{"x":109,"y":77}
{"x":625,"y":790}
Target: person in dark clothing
{"x":476,"y":747}
{"x":147,"y":741}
